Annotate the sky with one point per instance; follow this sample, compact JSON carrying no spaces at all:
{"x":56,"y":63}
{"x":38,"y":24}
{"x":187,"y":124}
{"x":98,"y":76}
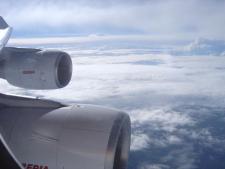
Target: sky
{"x":160,"y":18}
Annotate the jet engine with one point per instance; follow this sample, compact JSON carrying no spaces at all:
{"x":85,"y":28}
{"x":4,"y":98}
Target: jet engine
{"x":52,"y":136}
{"x":36,"y":69}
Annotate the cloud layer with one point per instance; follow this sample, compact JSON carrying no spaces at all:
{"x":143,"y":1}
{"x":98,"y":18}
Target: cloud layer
{"x":176,"y":103}
{"x":162,"y":18}
{"x":202,"y":47}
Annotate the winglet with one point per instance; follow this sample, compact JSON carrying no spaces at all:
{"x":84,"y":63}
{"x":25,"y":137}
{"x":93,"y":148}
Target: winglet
{"x":3,"y":24}
{"x":5,"y":32}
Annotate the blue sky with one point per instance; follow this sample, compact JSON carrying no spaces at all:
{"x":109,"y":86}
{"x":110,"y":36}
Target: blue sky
{"x":175,"y":18}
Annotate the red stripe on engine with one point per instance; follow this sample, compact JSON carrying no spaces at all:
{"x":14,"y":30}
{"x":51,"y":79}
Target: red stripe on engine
{"x":26,"y":72}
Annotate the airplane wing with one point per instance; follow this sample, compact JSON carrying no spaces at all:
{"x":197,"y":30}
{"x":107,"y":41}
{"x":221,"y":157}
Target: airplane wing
{"x":5,"y":32}
{"x":8,"y":160}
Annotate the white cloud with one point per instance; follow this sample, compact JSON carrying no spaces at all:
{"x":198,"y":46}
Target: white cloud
{"x":203,"y":47}
{"x":173,"y":139}
{"x":184,"y":158}
{"x":139,"y":142}
{"x":162,"y":120}
{"x":134,"y":74}
{"x":154,"y":166}
{"x":207,"y":139}
{"x":190,"y":18}
{"x":145,"y":40}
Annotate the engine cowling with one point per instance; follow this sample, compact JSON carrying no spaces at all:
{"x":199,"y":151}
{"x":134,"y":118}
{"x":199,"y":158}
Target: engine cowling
{"x":37,"y":69}
{"x":76,"y":137}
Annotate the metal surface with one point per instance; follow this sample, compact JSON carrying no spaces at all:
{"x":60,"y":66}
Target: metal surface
{"x":28,"y":102}
{"x":7,"y":158}
{"x":63,"y":70}
{"x":5,"y":32}
{"x":78,"y":137}
{"x":119,"y":144}
{"x":36,"y":69}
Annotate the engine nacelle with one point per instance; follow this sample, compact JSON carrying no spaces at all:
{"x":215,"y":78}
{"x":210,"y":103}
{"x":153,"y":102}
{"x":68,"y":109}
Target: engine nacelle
{"x":36,"y":69}
{"x":76,"y":137}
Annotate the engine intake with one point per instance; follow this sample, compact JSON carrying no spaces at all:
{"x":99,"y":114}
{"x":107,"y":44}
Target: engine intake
{"x":36,"y":69}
